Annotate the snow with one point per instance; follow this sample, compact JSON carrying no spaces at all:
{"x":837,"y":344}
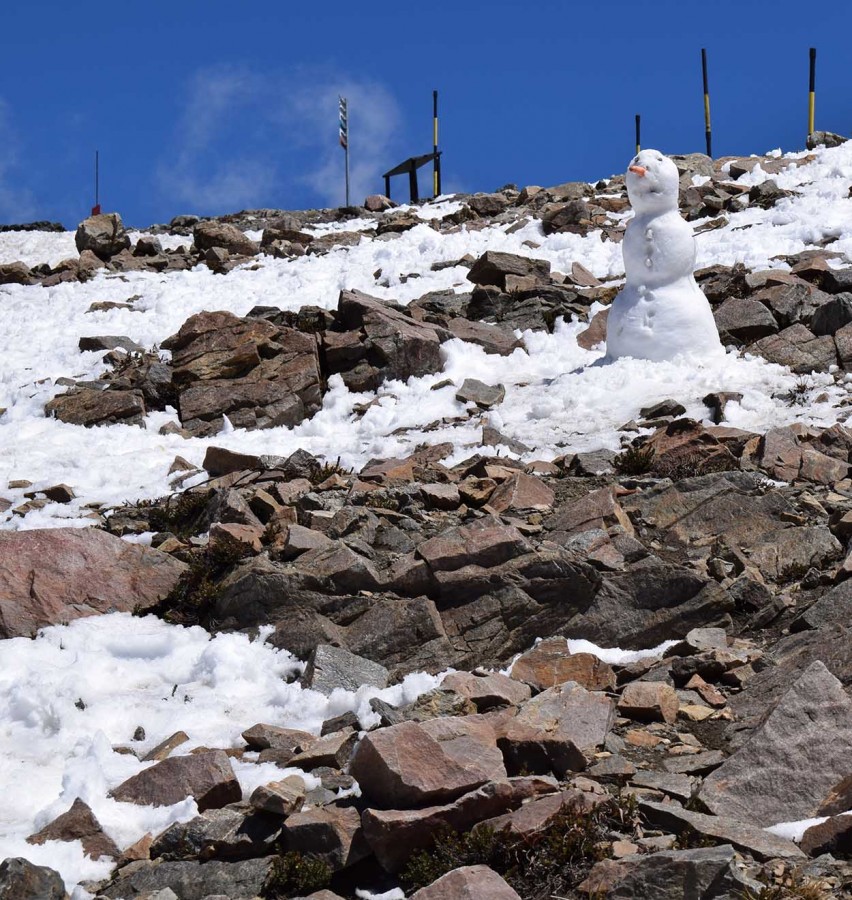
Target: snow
{"x":77,"y":691}
{"x":794,"y":831}
{"x":559,"y":399}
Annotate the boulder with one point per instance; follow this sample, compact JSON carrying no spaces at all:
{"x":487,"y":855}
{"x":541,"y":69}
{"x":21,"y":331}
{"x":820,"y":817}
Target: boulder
{"x":192,"y":880}
{"x":394,"y":835}
{"x":483,"y":395}
{"x":493,"y":266}
{"x":742,"y":320}
{"x":103,"y":234}
{"x":388,"y":343}
{"x":404,"y":765}
{"x":792,"y":761}
{"x":799,"y":348}
{"x":207,"y":777}
{"x":219,"y":834}
{"x":330,"y":833}
{"x":90,"y":406}
{"x":833,"y":836}
{"x":257,"y":374}
{"x":78,"y":824}
{"x":521,"y":493}
{"x":550,"y":663}
{"x":210,"y":234}
{"x":484,"y":542}
{"x":330,"y":667}
{"x":468,"y":883}
{"x":51,"y":576}
{"x":552,"y":731}
{"x":488,"y":691}
{"x":649,"y":701}
{"x":16,"y":273}
{"x":21,"y":880}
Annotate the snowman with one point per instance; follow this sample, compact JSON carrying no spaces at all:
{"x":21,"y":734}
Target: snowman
{"x":661,"y":312}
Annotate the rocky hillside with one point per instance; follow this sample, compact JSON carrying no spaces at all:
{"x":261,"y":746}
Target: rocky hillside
{"x":716,"y":532}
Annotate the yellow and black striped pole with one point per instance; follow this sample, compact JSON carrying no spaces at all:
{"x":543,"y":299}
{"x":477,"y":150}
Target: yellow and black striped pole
{"x":436,"y":161}
{"x":812,"y":92}
{"x":706,"y":103}
{"x":638,"y":132}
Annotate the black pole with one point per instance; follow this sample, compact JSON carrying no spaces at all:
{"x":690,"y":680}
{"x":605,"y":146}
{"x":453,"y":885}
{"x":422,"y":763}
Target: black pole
{"x":638,"y":133}
{"x":97,"y":178}
{"x":387,"y":187}
{"x":706,"y":103}
{"x":412,"y":183}
{"x":812,"y":92}
{"x":436,"y":162}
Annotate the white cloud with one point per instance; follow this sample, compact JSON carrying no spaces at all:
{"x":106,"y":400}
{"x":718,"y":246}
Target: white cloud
{"x":248,"y":139}
{"x":16,"y":203}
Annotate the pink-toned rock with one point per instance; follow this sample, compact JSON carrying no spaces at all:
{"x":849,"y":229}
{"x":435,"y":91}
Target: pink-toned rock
{"x":597,"y":510}
{"x":231,"y":534}
{"x":468,"y":883}
{"x":393,"y":835}
{"x":441,"y":496}
{"x":521,"y":493}
{"x":487,"y":691}
{"x":649,"y":701}
{"x":551,"y":662}
{"x":596,"y":332}
{"x":48,"y":576}
{"x":331,"y":833}
{"x":552,"y":730}
{"x":207,"y":777}
{"x":404,"y":766}
{"x":484,"y":542}
{"x":78,"y":824}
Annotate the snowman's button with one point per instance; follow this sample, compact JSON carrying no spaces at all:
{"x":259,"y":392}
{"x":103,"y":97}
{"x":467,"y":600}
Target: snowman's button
{"x":649,"y":233}
{"x":648,"y":262}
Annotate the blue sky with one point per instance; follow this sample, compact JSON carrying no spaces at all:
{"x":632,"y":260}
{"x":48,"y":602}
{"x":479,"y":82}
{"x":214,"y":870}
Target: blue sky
{"x":212,"y":107}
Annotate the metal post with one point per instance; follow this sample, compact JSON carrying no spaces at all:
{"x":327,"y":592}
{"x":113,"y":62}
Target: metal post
{"x":706,"y":103}
{"x":638,"y":133}
{"x":436,"y":163}
{"x":387,"y":187}
{"x":812,"y":92}
{"x":412,"y":183}
{"x":343,"y":110}
{"x":96,"y":209}
{"x":347,"y":173}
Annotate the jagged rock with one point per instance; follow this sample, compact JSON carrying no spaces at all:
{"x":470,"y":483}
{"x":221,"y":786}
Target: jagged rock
{"x":77,"y":824}
{"x":16,"y":273}
{"x":332,"y":833}
{"x":521,"y":493}
{"x":394,"y":835}
{"x":109,"y":342}
{"x":759,"y":843}
{"x":219,"y":834}
{"x":488,"y":691}
{"x":824,"y":138}
{"x":793,"y":760}
{"x":790,"y":551}
{"x":833,"y":315}
{"x":596,"y":511}
{"x":468,"y":883}
{"x":799,"y":348}
{"x":649,"y":701}
{"x":404,"y":765}
{"x":493,"y":267}
{"x":378,"y":203}
{"x":210,"y":234}
{"x":90,"y":406}
{"x":550,"y":663}
{"x":742,"y":320}
{"x":21,"y":880}
{"x":47,"y":577}
{"x":485,"y":542}
{"x":483,"y":395}
{"x":833,"y":836}
{"x":207,"y":777}
{"x":192,"y":880}
{"x":257,"y":374}
{"x":330,"y":667}
{"x":265,"y":737}
{"x":552,"y":730}
{"x":103,"y":234}
{"x":388,"y":344}
{"x":706,"y":873}
{"x":331,"y":750}
{"x":491,"y":336}
{"x":279,"y":798}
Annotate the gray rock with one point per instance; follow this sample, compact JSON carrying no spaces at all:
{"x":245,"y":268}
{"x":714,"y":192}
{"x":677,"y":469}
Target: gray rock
{"x":332,"y":833}
{"x":759,"y":843}
{"x":209,"y":234}
{"x":492,"y":268}
{"x":790,"y":764}
{"x":743,"y":320}
{"x":468,"y":882}
{"x":21,"y":880}
{"x":799,"y":348}
{"x":483,"y":395}
{"x":193,"y":880}
{"x":219,"y":834}
{"x":103,"y":234}
{"x":333,"y":667}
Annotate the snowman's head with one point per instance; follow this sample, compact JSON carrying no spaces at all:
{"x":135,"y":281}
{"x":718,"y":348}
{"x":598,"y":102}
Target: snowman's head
{"x":652,"y":182}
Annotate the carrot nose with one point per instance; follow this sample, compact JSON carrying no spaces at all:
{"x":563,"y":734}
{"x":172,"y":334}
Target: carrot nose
{"x":639,"y":170}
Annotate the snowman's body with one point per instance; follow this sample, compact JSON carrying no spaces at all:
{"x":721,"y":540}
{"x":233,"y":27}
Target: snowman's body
{"x":661,"y":312}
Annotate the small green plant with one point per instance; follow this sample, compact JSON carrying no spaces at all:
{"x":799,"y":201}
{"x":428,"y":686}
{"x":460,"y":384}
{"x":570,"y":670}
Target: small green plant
{"x":635,"y":461}
{"x":295,"y":875}
{"x":326,"y":470}
{"x":550,"y":862}
{"x":799,"y":394}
